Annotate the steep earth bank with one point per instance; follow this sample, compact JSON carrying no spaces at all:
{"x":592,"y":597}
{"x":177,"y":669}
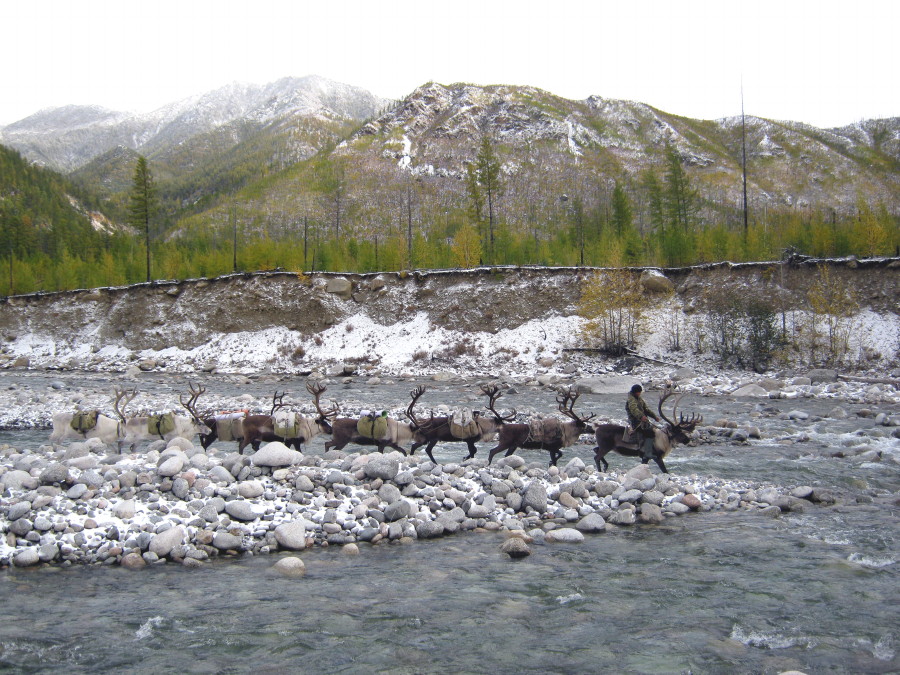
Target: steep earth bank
{"x":186,"y":315}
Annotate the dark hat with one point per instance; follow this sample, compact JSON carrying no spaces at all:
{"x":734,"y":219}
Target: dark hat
{"x":636,"y":388}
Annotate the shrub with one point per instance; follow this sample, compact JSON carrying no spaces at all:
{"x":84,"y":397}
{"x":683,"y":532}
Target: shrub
{"x":612,"y":302}
{"x":740,"y":327}
{"x":829,"y":325}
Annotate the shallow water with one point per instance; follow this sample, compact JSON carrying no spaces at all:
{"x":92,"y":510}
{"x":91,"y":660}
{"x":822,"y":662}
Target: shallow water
{"x":710,"y":593}
{"x":722,"y":592}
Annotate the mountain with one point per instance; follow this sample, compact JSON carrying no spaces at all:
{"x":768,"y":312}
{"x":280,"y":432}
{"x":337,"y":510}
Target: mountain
{"x":435,"y":131}
{"x":42,"y":212}
{"x":69,"y":137}
{"x":309,"y":147}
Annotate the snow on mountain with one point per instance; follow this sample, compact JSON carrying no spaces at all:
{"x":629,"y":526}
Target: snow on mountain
{"x":68,"y":137}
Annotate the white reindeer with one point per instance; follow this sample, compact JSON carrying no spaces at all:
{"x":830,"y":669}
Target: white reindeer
{"x":105,"y":428}
{"x":139,"y":429}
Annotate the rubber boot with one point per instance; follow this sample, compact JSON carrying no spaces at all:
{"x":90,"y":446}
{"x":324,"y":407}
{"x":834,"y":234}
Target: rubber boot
{"x":647,"y":449}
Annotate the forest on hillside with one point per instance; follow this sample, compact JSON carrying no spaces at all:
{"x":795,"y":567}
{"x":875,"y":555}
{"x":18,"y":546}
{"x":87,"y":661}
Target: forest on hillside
{"x":335,"y":212}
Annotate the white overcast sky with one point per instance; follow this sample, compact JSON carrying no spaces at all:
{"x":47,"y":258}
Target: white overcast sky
{"x":822,"y":62}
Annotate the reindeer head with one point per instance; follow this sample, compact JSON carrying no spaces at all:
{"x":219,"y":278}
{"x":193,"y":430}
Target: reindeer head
{"x":325,"y":416}
{"x":565,"y":399}
{"x":190,"y":406}
{"x":492,"y":391}
{"x":682,"y":430}
{"x":122,"y":399}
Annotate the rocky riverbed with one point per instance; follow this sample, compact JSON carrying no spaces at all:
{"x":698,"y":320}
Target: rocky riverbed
{"x":84,"y":503}
{"x":175,"y":502}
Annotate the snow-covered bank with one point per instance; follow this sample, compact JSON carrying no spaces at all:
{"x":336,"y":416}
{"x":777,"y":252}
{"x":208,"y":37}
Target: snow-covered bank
{"x":519,"y":323}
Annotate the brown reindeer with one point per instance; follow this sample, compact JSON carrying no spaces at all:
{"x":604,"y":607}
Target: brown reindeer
{"x":345,"y":430}
{"x":610,"y":436}
{"x":258,"y":428}
{"x":429,"y":432}
{"x":548,"y":434}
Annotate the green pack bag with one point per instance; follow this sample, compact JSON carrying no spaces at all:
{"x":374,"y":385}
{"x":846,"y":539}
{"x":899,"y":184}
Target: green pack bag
{"x":370,"y":426}
{"x":161,"y":424}
{"x":84,"y":421}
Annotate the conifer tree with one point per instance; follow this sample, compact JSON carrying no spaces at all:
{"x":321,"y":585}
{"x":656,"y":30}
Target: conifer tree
{"x":485,"y":187}
{"x":143,"y":202}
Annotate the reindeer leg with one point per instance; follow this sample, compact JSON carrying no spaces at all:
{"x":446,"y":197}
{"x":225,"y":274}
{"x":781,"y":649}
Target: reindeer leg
{"x":396,"y":447}
{"x":494,"y":452}
{"x":600,"y":459}
{"x":662,"y":465}
{"x":554,"y":456}
{"x":472,"y":448}
{"x":428,"y":450}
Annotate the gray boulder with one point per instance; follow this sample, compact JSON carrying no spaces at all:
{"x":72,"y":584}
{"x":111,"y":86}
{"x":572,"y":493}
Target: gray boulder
{"x":18,"y":510}
{"x":18,"y":480}
{"x":655,"y":281}
{"x":384,"y":467}
{"x":225,"y":541}
{"x":397,"y":510}
{"x":276,"y":454}
{"x":750,"y":390}
{"x":250,"y":489}
{"x":163,"y":543}
{"x":593,"y":522}
{"x":652,"y":514}
{"x":535,"y":496}
{"x":219,"y":474}
{"x":291,"y":567}
{"x":515,"y":547}
{"x":55,"y":473}
{"x":171,"y":466}
{"x":304,"y":483}
{"x":429,"y":529}
{"x":292,"y":535}
{"x":339,"y":286}
{"x":565,"y":535}
{"x":27,"y":557}
{"x":240,"y":510}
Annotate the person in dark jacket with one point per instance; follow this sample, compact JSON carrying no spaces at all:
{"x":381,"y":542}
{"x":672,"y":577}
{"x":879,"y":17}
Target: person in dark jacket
{"x":639,"y":415}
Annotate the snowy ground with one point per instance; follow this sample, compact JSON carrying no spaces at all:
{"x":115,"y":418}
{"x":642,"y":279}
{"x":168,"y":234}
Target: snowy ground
{"x":533,"y":353}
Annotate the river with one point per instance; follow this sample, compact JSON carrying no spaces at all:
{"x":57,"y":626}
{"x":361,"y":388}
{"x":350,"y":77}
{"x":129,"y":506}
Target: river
{"x":717,"y":592}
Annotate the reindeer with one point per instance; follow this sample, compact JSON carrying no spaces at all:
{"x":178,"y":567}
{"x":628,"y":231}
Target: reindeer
{"x":137,"y":429}
{"x":345,"y":430}
{"x":105,"y":428}
{"x":258,"y":428}
{"x":610,"y":436}
{"x":218,"y":429}
{"x":548,"y":434}
{"x":438,"y":430}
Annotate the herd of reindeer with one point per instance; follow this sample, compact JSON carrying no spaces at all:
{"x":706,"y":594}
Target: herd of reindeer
{"x":295,"y":429}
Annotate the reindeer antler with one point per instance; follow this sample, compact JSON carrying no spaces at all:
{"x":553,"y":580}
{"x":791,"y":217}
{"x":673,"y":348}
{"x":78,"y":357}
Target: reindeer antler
{"x":566,"y":402}
{"x":190,"y":406}
{"x":128,"y":395}
{"x":492,"y":391}
{"x":277,"y":403}
{"x":668,"y":392}
{"x":317,"y":389}
{"x":415,"y":395}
